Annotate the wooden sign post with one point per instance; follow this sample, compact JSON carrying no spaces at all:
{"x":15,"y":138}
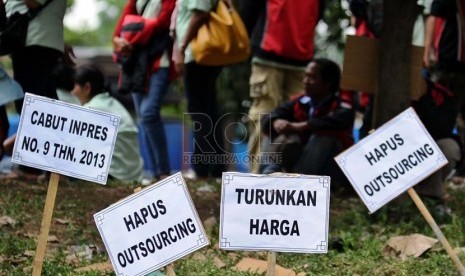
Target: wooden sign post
{"x":45,"y":224}
{"x":271,"y":269}
{"x":426,"y":214}
{"x":63,"y":139}
{"x":394,"y":158}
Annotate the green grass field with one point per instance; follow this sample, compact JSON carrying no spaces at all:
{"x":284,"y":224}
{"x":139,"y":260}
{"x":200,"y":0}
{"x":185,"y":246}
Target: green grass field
{"x":356,"y":238}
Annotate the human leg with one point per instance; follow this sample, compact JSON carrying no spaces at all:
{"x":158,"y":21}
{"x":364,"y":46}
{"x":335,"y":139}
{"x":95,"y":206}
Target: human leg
{"x":33,"y":70}
{"x":148,"y":107}
{"x":266,"y":93}
{"x":200,"y":86}
{"x":434,"y":185}
{"x":317,"y":156}
{"x":281,"y":154}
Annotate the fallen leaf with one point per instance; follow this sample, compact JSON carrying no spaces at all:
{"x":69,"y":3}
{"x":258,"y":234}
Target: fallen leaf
{"x":460,"y":250}
{"x":101,"y":267}
{"x":29,"y":235}
{"x":233,"y":256}
{"x":218,"y":262}
{"x":29,"y":253}
{"x":80,"y":252}
{"x":6,"y":220}
{"x":408,"y":246}
{"x":199,"y":257}
{"x":209,"y":223}
{"x":28,"y":270}
{"x":2,"y":259}
{"x":62,"y":221}
{"x":52,"y":238}
{"x":259,"y":266}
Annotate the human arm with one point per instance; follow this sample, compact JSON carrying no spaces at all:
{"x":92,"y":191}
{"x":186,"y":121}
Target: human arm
{"x":279,"y":120}
{"x":69,"y":55}
{"x":429,"y":35}
{"x":340,"y":118}
{"x":198,"y":18}
{"x":120,"y":44}
{"x":155,"y":25}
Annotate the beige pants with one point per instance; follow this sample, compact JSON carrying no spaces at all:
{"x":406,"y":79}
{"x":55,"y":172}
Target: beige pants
{"x":269,"y":87}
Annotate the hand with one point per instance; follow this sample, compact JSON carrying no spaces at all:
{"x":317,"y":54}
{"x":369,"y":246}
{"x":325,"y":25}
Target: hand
{"x":426,"y":61}
{"x":121,"y":45}
{"x":69,"y":55}
{"x":179,"y":60}
{"x":281,"y":126}
{"x":298,"y":127}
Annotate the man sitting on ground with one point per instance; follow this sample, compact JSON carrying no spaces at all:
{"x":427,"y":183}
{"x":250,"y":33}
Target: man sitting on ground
{"x":312,"y":128}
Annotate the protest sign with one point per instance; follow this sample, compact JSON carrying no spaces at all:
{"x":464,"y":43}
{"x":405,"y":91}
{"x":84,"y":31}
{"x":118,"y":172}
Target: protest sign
{"x":275,"y":213}
{"x":151,"y":228}
{"x":64,"y":138}
{"x":394,"y":158}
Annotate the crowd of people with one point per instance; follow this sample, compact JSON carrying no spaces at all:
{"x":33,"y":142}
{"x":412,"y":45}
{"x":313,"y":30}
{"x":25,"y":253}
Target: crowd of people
{"x":298,"y":109}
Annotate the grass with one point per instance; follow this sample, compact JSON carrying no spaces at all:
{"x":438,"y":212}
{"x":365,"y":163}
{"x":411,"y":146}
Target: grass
{"x":357,"y":239}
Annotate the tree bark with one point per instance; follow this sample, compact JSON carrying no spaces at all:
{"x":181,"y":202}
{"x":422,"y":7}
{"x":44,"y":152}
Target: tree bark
{"x":394,"y":68}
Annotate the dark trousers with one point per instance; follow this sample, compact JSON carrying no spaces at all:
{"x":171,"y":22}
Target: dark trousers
{"x":200,"y":86}
{"x":32,"y":69}
{"x":316,"y":157}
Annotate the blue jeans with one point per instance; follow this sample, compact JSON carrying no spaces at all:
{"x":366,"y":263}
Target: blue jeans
{"x":147,"y":106}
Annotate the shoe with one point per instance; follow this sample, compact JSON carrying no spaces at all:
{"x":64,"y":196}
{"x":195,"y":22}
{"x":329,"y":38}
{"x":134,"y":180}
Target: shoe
{"x":147,"y":181}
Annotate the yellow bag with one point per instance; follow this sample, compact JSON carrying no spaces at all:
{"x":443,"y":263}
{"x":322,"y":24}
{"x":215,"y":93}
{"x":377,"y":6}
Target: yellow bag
{"x":223,"y":39}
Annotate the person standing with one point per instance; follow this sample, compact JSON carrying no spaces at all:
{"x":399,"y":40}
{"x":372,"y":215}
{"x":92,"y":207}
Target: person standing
{"x":33,"y":64}
{"x":156,"y":73}
{"x":283,"y":44}
{"x":200,"y":88}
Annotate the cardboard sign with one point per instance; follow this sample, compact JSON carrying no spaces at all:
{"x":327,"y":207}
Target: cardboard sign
{"x":391,"y":160}
{"x":151,"y":228}
{"x":275,"y":213}
{"x":361,"y":63}
{"x":64,"y":138}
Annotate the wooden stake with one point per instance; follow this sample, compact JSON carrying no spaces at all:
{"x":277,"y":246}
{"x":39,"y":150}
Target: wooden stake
{"x":170,"y":267}
{"x":45,"y":224}
{"x":170,"y":270}
{"x":424,"y":211}
{"x":271,"y":270}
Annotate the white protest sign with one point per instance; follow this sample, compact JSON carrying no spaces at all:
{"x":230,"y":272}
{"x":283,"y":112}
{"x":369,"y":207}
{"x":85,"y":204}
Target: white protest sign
{"x":275,"y":213}
{"x":391,"y":160}
{"x":152,"y":228}
{"x":64,"y":138}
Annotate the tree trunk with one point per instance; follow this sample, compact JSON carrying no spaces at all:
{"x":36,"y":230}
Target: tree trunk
{"x":394,"y":80}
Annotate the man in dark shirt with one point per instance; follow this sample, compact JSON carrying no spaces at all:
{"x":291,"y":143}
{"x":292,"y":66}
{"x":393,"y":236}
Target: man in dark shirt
{"x":313,"y":127}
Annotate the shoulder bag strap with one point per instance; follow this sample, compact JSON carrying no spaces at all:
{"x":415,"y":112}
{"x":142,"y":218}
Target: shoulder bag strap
{"x":143,"y":7}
